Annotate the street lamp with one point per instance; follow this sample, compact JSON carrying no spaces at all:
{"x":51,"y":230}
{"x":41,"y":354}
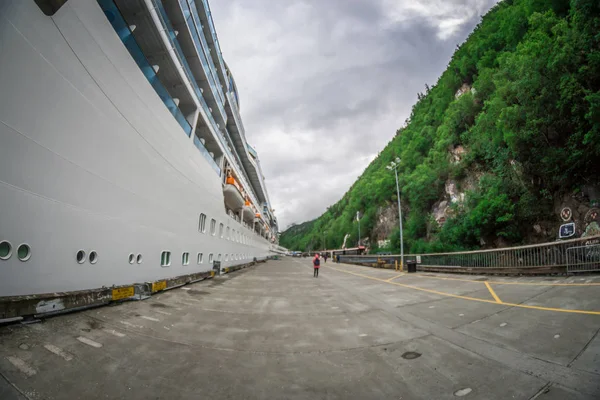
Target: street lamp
{"x":394,"y":166}
{"x":358,"y":219}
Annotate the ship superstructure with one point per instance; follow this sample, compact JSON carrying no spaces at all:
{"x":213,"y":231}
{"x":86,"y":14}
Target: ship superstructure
{"x":123,"y":155}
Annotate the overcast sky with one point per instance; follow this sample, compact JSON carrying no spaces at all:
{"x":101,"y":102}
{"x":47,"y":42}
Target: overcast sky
{"x":325,"y":84}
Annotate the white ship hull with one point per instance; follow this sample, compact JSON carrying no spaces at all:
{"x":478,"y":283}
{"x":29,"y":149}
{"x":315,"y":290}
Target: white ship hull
{"x":92,"y":160}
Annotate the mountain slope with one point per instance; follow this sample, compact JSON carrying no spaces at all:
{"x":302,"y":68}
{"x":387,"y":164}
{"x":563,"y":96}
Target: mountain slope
{"x":510,"y":128}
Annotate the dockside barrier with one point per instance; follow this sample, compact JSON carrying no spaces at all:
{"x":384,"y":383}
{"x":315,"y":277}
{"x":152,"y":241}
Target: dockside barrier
{"x":33,"y":307}
{"x":561,"y":257}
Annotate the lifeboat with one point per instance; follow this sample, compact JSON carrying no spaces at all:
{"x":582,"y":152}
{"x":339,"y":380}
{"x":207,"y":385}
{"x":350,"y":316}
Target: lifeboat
{"x":248,"y":212}
{"x":233,"y":196}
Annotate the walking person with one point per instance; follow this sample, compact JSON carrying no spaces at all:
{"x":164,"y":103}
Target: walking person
{"x":325,"y":258}
{"x":316,"y":265}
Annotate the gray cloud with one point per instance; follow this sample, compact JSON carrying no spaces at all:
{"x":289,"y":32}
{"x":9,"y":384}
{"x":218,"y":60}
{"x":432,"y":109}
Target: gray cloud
{"x":325,"y":84}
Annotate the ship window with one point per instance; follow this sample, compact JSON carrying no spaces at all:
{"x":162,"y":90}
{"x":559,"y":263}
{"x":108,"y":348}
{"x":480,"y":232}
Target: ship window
{"x":24,"y":252}
{"x":221,"y":230}
{"x":200,"y":258}
{"x":81,"y":256}
{"x":210,"y":258}
{"x":50,"y":7}
{"x":131,"y":258}
{"x":226,"y":257}
{"x":165,"y":259}
{"x":202,"y":223}
{"x":219,"y":257}
{"x":93,"y":257}
{"x":185,"y":258}
{"x":5,"y":250}
{"x":213,"y":227}
{"x":227,"y":236}
{"x":139,"y":259}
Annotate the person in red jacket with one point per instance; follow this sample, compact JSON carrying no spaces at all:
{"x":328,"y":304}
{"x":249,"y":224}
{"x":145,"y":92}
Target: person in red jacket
{"x":316,"y":265}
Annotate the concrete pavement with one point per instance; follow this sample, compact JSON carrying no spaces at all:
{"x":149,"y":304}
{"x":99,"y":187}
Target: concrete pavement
{"x":273,"y":331}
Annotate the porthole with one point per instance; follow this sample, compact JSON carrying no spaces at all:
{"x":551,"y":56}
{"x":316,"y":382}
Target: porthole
{"x":93,"y":257}
{"x":185,"y":258}
{"x":221,"y":230}
{"x":213,"y":227}
{"x":131,"y":258}
{"x":81,"y":256}
{"x":5,"y":250}
{"x":210,"y":258}
{"x":200,"y":258}
{"x":24,"y":252}
{"x":226,"y":257}
{"x":165,"y":259}
{"x":219,"y":257}
{"x":140,"y":258}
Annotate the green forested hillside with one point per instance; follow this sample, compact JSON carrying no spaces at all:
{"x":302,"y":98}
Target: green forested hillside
{"x":527,"y":126}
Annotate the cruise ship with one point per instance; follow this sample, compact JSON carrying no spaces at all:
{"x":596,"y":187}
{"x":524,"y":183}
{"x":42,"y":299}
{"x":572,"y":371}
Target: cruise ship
{"x":123,"y":157}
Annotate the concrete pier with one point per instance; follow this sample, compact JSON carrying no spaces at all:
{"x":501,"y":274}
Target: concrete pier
{"x":273,"y":331}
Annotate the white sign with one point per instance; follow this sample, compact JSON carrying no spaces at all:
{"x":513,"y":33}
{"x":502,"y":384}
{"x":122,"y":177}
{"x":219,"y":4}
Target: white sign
{"x":418,"y":259}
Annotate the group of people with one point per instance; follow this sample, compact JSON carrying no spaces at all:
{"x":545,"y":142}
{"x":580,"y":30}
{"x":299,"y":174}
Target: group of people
{"x":317,"y":263}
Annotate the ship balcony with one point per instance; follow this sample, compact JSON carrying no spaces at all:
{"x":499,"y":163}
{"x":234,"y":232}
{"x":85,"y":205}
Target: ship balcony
{"x":238,"y":137}
{"x":209,"y":155}
{"x":193,"y":44}
{"x":210,"y":33}
{"x":138,"y":33}
{"x":232,"y":156}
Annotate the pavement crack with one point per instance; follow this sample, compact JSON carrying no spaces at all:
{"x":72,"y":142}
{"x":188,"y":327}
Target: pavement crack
{"x":584,"y":348}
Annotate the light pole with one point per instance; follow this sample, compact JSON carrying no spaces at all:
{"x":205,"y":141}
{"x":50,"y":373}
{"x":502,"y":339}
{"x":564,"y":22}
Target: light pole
{"x":358,"y":219}
{"x":394,"y":166}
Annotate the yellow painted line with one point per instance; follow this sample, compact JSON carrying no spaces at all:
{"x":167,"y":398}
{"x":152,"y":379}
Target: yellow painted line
{"x":494,"y":295}
{"x":472,"y":298}
{"x":394,"y":277}
{"x":507,"y":283}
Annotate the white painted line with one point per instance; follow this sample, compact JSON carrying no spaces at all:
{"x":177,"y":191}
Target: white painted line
{"x":150,"y":318}
{"x":556,"y":336}
{"x":503,"y":324}
{"x":461,"y":315}
{"x":167,"y":328}
{"x":463,"y":392}
{"x":89,"y":342}
{"x":186,"y":288}
{"x":113,"y":332}
{"x":363,"y":335}
{"x":130,"y":324}
{"x":21,"y":365}
{"x":58,"y":351}
{"x":162,"y":312}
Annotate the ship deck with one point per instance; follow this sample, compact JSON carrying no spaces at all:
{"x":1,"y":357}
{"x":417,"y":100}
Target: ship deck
{"x":273,"y":331}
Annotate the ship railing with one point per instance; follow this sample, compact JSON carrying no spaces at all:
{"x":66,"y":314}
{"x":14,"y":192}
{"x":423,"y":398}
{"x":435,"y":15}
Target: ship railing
{"x":205,"y":48}
{"x":124,"y":32}
{"x":214,"y":37}
{"x":197,"y":38}
{"x":168,"y":27}
{"x":574,"y":255}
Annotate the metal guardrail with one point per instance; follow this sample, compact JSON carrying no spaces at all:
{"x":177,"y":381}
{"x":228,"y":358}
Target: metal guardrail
{"x":576,"y":255}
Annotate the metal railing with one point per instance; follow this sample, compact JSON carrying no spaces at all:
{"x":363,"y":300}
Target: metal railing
{"x":576,"y":255}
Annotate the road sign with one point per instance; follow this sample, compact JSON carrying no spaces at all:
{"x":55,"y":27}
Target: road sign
{"x":566,"y":230}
